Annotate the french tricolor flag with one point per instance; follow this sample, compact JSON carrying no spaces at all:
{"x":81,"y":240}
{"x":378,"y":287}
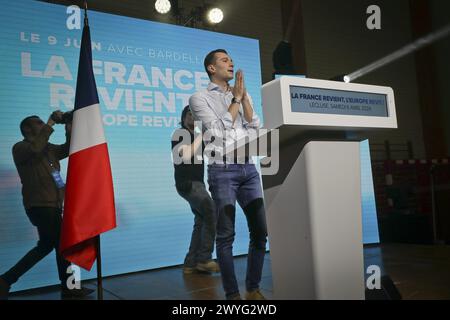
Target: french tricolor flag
{"x":89,"y":198}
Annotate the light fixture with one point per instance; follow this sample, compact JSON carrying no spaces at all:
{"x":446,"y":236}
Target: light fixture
{"x":215,"y":15}
{"x":347,"y":79}
{"x":162,"y":6}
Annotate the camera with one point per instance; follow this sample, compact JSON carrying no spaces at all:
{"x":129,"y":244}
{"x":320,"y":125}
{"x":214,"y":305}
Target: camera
{"x":66,"y":117}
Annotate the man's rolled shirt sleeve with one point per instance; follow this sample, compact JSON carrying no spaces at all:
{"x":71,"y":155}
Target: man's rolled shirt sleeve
{"x":255,"y":123}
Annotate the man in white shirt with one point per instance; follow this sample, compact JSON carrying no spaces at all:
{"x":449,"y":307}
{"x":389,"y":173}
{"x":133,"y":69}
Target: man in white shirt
{"x":227,"y":114}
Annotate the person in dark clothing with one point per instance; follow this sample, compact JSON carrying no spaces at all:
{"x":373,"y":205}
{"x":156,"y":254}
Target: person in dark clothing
{"x":189,"y":172}
{"x":37,"y":162}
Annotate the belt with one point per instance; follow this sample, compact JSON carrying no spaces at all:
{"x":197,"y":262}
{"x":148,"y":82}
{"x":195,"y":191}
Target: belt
{"x":235,"y":160}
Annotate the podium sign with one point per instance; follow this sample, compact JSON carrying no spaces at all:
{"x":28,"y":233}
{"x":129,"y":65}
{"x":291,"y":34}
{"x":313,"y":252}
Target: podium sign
{"x":339,"y":102}
{"x":313,"y":104}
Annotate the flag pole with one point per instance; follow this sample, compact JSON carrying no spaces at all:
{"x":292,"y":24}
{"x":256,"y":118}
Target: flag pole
{"x":99,"y":269}
{"x":97,"y":238}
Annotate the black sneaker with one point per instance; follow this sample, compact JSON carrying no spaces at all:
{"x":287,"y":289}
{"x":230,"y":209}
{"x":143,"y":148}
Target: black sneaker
{"x":4,"y":289}
{"x":75,"y":293}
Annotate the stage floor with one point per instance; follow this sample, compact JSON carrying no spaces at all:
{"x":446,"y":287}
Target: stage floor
{"x":419,"y":272}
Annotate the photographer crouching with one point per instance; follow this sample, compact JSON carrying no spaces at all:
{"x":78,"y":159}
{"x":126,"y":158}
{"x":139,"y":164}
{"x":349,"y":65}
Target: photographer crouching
{"x":37,"y":162}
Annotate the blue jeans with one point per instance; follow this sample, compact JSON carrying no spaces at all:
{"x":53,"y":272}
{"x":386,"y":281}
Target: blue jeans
{"x":241,"y":182}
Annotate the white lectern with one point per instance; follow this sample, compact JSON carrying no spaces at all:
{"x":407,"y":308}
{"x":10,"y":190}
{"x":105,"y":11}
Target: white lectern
{"x":313,"y":204}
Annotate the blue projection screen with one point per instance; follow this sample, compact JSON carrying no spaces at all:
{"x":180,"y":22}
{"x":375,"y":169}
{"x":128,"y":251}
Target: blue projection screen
{"x":368,"y":205}
{"x":145,"y":73}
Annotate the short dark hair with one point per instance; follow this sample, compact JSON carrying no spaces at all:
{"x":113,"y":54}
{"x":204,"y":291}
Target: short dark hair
{"x":25,"y":123}
{"x":211,"y":59}
{"x":183,"y":116}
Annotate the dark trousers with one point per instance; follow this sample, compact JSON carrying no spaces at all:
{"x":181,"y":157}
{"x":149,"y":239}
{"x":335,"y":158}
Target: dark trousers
{"x":204,"y":230}
{"x":48,"y":223}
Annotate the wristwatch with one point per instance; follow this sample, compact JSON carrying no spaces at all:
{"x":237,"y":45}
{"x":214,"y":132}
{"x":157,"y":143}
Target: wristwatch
{"x":234,"y":100}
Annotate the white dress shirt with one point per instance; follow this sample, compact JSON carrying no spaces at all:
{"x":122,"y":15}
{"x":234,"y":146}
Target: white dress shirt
{"x":210,"y":106}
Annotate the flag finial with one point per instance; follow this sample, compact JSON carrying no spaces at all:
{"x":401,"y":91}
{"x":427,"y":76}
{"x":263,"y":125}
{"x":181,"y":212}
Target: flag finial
{"x":86,"y":22}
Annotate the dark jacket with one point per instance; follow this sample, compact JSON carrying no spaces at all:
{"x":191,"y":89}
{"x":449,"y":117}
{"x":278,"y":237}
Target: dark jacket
{"x":32,"y":159}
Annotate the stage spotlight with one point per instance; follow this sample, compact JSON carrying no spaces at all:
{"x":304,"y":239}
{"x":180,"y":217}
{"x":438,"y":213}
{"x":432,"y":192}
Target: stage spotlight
{"x":347,"y":79}
{"x":215,"y":15}
{"x":162,"y":6}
